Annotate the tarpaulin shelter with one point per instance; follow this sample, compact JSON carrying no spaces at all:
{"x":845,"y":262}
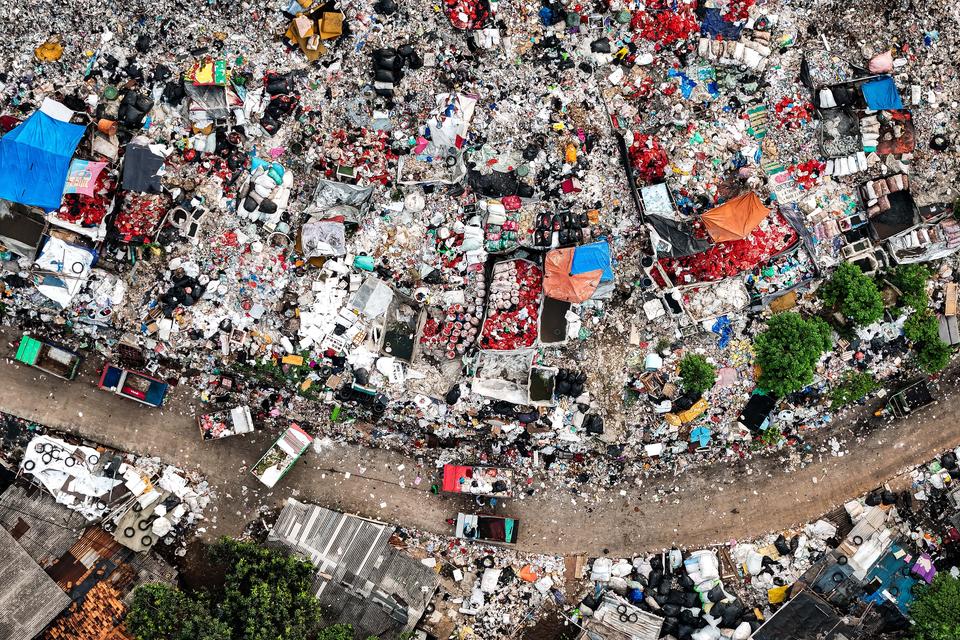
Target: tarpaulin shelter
{"x":142,"y":167}
{"x":34,"y":160}
{"x":881,"y":94}
{"x":573,"y":274}
{"x":736,"y":218}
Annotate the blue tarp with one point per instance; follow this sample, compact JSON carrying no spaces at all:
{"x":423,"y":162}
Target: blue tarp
{"x":714,"y":25}
{"x":34,"y":160}
{"x":723,"y":329}
{"x":701,"y":435}
{"x":882,"y":94}
{"x":593,"y":257}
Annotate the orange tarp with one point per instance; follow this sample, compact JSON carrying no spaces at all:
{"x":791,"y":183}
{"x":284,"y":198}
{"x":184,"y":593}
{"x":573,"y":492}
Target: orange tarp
{"x":560,"y":285}
{"x":736,"y":218}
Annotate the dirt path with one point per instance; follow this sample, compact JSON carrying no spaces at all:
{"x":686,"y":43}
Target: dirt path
{"x":712,"y":504}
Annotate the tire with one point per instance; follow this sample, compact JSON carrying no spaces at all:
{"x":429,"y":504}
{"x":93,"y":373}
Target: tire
{"x":47,"y":458}
{"x":842,"y":561}
{"x":857,"y":540}
{"x":129,"y":531}
{"x":143,"y":525}
{"x":837,"y":578}
{"x":29,"y":465}
{"x":146,"y":541}
{"x":70,"y":461}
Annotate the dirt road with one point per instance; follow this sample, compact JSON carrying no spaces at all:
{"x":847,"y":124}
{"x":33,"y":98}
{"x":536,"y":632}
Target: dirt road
{"x":707,"y":505}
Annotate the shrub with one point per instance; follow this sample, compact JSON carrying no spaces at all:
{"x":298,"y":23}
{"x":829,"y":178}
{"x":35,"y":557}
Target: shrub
{"x":697,"y":374}
{"x":853,"y":386}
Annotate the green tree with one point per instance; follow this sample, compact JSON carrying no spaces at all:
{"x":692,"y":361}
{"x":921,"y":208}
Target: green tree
{"x":853,"y":386}
{"x":911,"y":280}
{"x":853,"y":294}
{"x":267,"y":593}
{"x":697,"y":374}
{"x":336,"y":632}
{"x":934,"y":356}
{"x":788,"y":351}
{"x":161,"y":612}
{"x":922,"y":327}
{"x":936,"y":609}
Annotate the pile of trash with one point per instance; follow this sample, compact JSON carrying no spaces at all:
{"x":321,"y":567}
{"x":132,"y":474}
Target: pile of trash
{"x":139,"y":499}
{"x":405,"y":228}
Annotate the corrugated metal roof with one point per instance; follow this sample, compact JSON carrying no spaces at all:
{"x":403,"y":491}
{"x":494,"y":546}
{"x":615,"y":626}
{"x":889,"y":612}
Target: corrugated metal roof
{"x":29,"y":599}
{"x":45,"y":529}
{"x":360,"y":579}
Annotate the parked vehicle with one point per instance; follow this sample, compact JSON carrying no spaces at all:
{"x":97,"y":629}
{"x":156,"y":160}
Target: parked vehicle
{"x":282,"y":455}
{"x":134,"y":385}
{"x":477,"y":481}
{"x":915,"y":395}
{"x":487,"y":528}
{"x":49,"y":357}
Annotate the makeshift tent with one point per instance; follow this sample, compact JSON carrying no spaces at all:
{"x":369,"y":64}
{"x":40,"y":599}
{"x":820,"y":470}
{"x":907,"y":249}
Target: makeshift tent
{"x":881,"y":94}
{"x":573,"y":274}
{"x":142,"y":167}
{"x":675,"y":239}
{"x":593,"y":257}
{"x":736,"y":218}
{"x":35,"y":158}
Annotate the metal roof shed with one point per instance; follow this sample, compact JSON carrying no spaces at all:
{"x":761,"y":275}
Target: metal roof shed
{"x":29,"y":598}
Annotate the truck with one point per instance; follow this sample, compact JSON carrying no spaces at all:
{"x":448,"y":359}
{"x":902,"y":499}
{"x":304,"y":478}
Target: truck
{"x":49,"y":357}
{"x":134,"y":385}
{"x":223,"y":424}
{"x":495,"y":529}
{"x":477,"y":481}
{"x":913,"y":396}
{"x":281,"y":456}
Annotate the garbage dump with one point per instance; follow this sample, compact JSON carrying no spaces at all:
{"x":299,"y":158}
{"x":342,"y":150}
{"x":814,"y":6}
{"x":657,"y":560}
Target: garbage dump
{"x":588,"y":243}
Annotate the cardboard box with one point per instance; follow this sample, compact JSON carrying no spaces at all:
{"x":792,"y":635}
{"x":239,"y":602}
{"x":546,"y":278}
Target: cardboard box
{"x":331,"y":25}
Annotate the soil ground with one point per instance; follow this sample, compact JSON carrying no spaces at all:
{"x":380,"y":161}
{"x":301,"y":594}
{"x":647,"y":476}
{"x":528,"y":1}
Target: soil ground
{"x":702,"y":506}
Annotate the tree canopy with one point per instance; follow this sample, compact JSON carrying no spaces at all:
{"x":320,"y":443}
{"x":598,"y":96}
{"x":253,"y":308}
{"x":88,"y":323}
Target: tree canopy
{"x":697,"y":374}
{"x":788,"y":350}
{"x":923,"y":329}
{"x":266,"y":592}
{"x":267,"y":595}
{"x":936,"y":609}
{"x":161,"y":612}
{"x":853,"y":294}
{"x":911,"y":280}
